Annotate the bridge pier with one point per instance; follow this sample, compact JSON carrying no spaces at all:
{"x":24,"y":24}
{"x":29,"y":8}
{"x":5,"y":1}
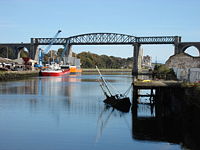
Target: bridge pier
{"x":67,"y":53}
{"x":136,"y":51}
{"x":176,"y":49}
{"x":33,"y":51}
{"x":176,"y":45}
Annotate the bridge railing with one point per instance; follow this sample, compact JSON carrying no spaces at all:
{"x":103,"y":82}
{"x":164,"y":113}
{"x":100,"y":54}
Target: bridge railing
{"x":157,"y":40}
{"x":47,"y":41}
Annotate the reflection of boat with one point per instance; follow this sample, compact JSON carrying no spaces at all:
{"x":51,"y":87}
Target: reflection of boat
{"x":118,"y":101}
{"x":104,"y":117}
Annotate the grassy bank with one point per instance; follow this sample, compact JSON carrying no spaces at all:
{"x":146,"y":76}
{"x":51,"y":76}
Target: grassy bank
{"x":16,"y":75}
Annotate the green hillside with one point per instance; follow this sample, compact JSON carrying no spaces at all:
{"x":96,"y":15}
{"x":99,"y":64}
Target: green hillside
{"x":90,"y":60}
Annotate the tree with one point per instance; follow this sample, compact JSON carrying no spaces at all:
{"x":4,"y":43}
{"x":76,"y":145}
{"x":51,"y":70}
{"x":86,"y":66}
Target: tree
{"x":90,"y":60}
{"x":163,"y":72}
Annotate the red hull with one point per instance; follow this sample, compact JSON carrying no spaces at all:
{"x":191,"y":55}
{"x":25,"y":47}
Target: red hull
{"x":54,"y":73}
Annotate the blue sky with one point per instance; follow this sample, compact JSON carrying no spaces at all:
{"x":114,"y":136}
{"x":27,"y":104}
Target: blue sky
{"x":22,"y":19}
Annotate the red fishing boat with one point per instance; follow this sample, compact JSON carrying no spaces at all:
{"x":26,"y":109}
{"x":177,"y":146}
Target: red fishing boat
{"x":54,"y":70}
{"x":60,"y":72}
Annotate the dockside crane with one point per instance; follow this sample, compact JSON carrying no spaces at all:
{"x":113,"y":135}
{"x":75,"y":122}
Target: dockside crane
{"x":46,"y":50}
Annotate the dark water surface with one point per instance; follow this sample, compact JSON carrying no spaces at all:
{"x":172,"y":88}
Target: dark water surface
{"x":55,"y":113}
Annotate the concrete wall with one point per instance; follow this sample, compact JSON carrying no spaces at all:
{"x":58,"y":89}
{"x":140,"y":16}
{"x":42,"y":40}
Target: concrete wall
{"x":194,"y":75}
{"x":185,"y":66}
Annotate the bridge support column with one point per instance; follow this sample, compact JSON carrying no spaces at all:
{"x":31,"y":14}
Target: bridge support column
{"x":70,"y":51}
{"x":33,"y":51}
{"x":176,"y":49}
{"x":135,"y":58}
{"x":67,"y":53}
{"x":176,"y":43}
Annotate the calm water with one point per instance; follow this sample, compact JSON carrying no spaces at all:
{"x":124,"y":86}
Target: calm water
{"x":55,"y":113}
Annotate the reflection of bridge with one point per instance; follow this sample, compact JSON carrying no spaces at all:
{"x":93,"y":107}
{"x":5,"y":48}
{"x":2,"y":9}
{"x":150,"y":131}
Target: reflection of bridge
{"x":104,"y":39}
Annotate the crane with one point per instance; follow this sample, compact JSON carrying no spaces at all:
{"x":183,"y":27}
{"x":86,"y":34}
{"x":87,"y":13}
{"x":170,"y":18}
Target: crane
{"x":46,"y":50}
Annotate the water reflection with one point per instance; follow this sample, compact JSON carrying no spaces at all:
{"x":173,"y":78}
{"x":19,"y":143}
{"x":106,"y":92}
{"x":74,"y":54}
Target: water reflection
{"x":69,"y":113}
{"x":48,"y":93}
{"x":172,"y":120}
{"x":105,"y":115}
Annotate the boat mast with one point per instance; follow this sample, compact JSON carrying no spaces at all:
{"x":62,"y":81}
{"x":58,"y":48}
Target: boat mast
{"x":103,"y":81}
{"x":104,"y":91}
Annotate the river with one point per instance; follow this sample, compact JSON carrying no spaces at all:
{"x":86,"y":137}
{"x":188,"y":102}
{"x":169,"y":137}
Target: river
{"x":68,"y":113}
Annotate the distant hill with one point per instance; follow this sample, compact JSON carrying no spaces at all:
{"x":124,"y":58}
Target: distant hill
{"x":90,"y":60}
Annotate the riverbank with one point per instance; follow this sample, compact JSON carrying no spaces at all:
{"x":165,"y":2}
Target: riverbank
{"x":107,"y":71}
{"x":17,"y":75}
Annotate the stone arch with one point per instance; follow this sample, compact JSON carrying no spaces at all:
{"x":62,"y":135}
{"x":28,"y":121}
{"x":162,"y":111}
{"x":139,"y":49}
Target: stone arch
{"x":183,"y":46}
{"x":22,"y":49}
{"x":192,"y":50}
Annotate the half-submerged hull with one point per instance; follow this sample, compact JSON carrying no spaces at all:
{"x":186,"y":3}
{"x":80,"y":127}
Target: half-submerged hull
{"x":122,"y":104}
{"x":54,"y":72}
{"x":118,"y":101}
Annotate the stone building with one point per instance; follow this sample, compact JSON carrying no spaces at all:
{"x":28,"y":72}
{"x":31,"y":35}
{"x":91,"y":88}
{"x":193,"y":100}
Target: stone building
{"x":146,"y":62}
{"x":185,"y":66}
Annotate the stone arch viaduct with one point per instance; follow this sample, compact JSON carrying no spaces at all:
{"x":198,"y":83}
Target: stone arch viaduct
{"x":103,"y":39}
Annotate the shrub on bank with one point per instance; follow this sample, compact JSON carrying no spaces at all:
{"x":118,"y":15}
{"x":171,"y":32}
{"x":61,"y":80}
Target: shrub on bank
{"x":161,"y":71}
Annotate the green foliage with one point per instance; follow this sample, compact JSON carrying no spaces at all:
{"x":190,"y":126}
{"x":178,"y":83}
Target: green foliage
{"x":59,"y":52}
{"x":90,"y":60}
{"x":163,"y":72}
{"x":52,"y":54}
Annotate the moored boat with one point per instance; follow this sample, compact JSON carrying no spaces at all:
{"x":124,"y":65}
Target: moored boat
{"x":72,"y":69}
{"x":59,"y":72}
{"x":75,"y":70}
{"x":54,"y":70}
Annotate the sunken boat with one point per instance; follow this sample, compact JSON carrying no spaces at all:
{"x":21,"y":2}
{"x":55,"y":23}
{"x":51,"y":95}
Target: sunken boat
{"x":122,"y":104}
{"x":118,"y":101}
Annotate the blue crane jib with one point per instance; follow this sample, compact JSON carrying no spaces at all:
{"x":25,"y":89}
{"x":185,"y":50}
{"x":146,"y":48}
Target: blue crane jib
{"x":46,"y":50}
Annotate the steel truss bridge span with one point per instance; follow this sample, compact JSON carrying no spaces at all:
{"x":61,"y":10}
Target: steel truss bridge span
{"x":101,"y":39}
{"x":106,"y":39}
